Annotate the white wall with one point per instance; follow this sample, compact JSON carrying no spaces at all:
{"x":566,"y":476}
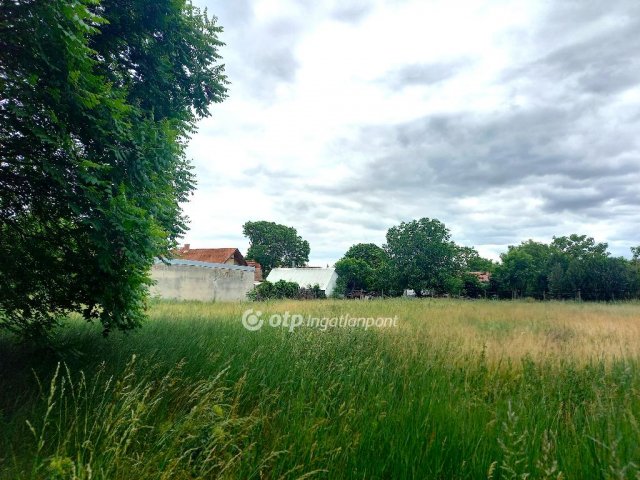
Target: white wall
{"x":194,"y":282}
{"x":331,"y":284}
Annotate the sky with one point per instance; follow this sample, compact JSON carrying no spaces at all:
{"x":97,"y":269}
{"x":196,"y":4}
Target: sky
{"x":504,"y":120}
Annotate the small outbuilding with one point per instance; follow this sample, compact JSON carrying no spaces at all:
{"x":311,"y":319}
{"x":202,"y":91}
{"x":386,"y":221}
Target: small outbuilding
{"x":307,"y":277}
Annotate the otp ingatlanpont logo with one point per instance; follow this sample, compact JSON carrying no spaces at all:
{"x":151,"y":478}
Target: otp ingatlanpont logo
{"x":251,"y":320}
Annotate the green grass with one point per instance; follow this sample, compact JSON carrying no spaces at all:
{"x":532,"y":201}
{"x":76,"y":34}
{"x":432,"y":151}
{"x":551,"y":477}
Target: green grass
{"x":457,"y":390}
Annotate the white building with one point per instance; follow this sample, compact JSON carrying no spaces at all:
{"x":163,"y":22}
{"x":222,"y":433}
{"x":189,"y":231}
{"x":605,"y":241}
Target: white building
{"x":307,"y":277}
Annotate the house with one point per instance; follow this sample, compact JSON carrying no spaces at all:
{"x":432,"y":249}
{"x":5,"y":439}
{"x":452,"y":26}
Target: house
{"x":307,"y":277}
{"x":484,"y":277}
{"x":206,"y":274}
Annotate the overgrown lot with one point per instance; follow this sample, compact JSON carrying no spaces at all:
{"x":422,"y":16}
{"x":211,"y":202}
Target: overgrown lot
{"x":457,"y":390}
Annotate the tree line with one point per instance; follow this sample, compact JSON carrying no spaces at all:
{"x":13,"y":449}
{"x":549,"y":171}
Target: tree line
{"x":420,"y":256}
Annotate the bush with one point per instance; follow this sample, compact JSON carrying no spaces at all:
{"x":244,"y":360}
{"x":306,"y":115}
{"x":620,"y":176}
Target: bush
{"x":312,"y":292}
{"x":283,"y":289}
{"x":278,"y":290}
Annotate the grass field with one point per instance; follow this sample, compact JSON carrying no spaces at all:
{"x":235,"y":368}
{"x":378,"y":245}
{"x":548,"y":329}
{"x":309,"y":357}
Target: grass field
{"x":458,"y":389}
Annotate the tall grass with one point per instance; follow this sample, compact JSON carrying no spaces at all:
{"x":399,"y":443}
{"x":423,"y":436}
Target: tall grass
{"x":499,"y":390}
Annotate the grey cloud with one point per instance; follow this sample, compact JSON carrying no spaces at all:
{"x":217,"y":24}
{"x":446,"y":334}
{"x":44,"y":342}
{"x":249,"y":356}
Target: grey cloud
{"x":351,"y":11}
{"x":566,"y":17}
{"x":264,"y":171}
{"x":423,"y":166}
{"x":258,"y":55}
{"x":601,"y":65}
{"x":575,"y":200}
{"x":230,"y":14}
{"x":590,"y":48}
{"x":561,"y":156}
{"x":469,"y":153}
{"x":274,"y":182}
{"x":423,"y":73}
{"x":280,"y":64}
{"x":265,"y":55}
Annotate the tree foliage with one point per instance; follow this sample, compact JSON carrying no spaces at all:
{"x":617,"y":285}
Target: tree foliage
{"x":353,"y":274}
{"x":365,"y":266}
{"x":570,"y":267}
{"x":471,"y":260}
{"x":98,"y":100}
{"x":420,"y":255}
{"x":423,"y":257}
{"x":523,"y":271}
{"x":284,"y":289}
{"x":370,"y":253}
{"x":274,"y":245}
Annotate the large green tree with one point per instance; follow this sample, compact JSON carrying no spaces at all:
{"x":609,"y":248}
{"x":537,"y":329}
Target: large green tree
{"x":97,"y":102}
{"x":423,"y":256}
{"x":274,"y":245}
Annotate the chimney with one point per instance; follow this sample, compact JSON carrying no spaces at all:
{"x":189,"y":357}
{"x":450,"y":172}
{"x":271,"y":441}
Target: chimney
{"x":258,"y":273}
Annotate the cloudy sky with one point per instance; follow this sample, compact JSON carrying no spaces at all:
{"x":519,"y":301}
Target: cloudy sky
{"x":505,"y":120}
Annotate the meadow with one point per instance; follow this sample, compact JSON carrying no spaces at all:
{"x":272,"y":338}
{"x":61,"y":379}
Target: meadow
{"x":458,"y":389}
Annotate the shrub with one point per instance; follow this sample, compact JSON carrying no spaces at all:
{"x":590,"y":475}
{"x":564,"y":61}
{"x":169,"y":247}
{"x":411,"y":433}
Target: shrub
{"x":278,"y":290}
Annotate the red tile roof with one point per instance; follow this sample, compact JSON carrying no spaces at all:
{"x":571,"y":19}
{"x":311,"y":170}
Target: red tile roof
{"x":211,"y":255}
{"x":482,"y":276}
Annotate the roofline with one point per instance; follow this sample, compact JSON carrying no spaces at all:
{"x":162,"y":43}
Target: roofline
{"x":196,"y":263}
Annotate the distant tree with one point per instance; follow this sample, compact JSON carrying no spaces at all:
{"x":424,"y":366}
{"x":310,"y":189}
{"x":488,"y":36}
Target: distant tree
{"x":559,"y":283}
{"x":599,"y":277}
{"x":524,"y":269}
{"x":571,"y":267}
{"x":423,"y":257}
{"x":274,"y":245}
{"x":471,"y":260}
{"x":370,"y":253}
{"x":579,"y":246}
{"x":472,"y":286}
{"x":634,"y":268}
{"x":97,"y":102}
{"x":353,"y":274}
{"x":574,"y":265}
{"x":379,"y":275}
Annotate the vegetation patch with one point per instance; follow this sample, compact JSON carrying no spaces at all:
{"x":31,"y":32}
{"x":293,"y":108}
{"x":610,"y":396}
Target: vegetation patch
{"x":457,"y":390}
